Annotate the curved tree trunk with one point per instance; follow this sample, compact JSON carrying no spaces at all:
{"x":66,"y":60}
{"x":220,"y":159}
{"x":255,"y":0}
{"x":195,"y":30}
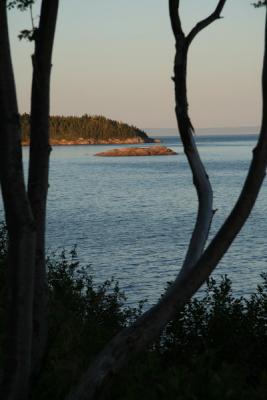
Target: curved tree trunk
{"x":21,"y":232}
{"x":39,"y":166}
{"x":134,"y":339}
{"x":200,"y":177}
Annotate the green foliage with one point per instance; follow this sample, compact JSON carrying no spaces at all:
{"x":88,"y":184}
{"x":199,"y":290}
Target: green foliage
{"x":215,"y":348}
{"x":83,"y":317}
{"x":96,"y":128}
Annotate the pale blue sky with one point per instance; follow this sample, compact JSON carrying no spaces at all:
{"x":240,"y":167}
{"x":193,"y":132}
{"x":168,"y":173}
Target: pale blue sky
{"x":114,"y":57}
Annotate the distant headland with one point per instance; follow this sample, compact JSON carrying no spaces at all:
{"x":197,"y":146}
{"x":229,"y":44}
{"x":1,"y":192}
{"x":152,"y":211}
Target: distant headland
{"x":70,"y":130}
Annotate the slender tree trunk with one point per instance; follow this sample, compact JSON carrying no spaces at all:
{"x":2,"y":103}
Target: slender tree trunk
{"x":21,"y":232}
{"x":39,"y":166}
{"x":132,"y":340}
{"x":200,"y":177}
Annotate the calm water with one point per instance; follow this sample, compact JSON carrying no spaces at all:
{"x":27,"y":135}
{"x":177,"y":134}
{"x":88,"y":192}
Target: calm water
{"x":132,"y":217}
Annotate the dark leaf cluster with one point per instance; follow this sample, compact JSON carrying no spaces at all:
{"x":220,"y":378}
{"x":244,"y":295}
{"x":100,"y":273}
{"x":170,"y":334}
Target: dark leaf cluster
{"x":260,"y":3}
{"x":28,"y":34}
{"x":22,"y":5}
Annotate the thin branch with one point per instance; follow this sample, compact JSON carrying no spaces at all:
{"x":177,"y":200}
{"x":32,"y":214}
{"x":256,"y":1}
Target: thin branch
{"x":32,"y":21}
{"x":133,"y":339}
{"x":175,"y":18}
{"x":206,"y":21}
{"x":205,"y":211}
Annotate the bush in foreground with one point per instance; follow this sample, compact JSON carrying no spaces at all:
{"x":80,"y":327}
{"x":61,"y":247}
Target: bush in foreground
{"x":215,"y":348}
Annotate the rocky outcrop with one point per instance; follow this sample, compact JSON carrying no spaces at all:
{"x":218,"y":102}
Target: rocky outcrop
{"x":138,"y":151}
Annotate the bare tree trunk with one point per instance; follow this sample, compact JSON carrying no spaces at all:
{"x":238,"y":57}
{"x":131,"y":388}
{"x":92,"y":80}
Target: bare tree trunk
{"x":134,"y":339}
{"x":21,"y":232}
{"x":39,"y":166}
{"x":200,"y":177}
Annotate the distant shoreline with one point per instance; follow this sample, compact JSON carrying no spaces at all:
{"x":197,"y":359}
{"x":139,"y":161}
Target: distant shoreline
{"x":65,"y":142}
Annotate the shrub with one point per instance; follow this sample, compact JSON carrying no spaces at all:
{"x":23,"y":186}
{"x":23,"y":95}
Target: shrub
{"x":215,"y":348}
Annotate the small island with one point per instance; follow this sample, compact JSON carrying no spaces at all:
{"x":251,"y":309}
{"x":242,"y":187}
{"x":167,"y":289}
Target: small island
{"x":138,"y":151}
{"x":71,"y":130}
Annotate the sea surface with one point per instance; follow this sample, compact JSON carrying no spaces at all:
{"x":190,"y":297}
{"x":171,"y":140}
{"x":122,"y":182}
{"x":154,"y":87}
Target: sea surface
{"x":132,"y":217}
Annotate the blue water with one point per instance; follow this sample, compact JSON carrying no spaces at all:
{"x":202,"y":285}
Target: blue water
{"x":132,"y":216}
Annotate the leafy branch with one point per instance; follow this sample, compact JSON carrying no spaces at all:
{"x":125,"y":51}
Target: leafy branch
{"x":260,"y":3}
{"x":24,"y":5}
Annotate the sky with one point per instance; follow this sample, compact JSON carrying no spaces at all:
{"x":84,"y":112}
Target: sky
{"x":115,"y":58}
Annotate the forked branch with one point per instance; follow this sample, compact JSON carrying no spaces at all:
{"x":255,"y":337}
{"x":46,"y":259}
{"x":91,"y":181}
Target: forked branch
{"x":206,"y":21}
{"x":132,"y":340}
{"x":175,"y":18}
{"x":200,"y":176}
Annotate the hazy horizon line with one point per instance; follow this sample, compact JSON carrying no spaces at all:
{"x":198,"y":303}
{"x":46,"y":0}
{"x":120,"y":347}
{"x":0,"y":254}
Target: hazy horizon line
{"x":244,"y":130}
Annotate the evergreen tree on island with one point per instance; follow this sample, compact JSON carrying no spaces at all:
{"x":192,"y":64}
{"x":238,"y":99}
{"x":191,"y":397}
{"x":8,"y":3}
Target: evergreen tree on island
{"x":87,"y":129}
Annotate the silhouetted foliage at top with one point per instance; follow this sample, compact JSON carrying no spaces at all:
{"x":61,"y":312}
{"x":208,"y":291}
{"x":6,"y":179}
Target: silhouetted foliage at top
{"x":96,"y":128}
{"x":22,"y":5}
{"x":260,"y":3}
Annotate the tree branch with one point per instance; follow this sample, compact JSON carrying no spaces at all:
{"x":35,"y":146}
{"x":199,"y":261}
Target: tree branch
{"x":206,"y":21}
{"x":205,"y":211}
{"x":134,"y":339}
{"x":175,"y":18}
{"x":39,"y":167}
{"x":21,"y":232}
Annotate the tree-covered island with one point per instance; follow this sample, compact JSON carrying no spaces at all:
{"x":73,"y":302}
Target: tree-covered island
{"x":87,"y":129}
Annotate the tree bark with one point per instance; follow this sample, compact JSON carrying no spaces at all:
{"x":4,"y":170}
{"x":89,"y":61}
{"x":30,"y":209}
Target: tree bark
{"x":21,"y":231}
{"x":200,"y":177}
{"x":132,"y":340}
{"x":39,"y":166}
